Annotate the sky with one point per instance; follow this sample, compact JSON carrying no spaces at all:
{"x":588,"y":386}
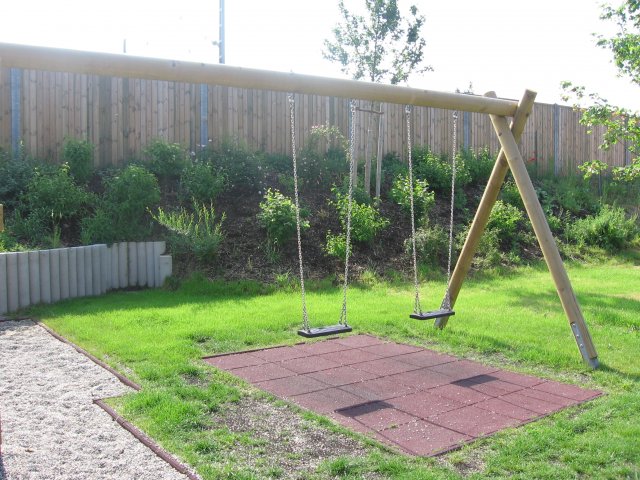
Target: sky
{"x":501,"y":45}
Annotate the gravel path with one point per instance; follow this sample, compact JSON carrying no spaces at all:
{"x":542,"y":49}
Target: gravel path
{"x":50,"y":427}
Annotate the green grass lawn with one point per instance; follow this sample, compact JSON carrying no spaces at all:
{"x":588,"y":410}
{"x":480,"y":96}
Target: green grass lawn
{"x":514,"y":321}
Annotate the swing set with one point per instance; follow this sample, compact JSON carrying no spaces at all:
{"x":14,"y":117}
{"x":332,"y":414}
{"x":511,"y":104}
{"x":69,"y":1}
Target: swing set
{"x":509,"y":158}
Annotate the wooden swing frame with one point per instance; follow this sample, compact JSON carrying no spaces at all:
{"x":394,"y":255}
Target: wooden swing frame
{"x":509,"y":158}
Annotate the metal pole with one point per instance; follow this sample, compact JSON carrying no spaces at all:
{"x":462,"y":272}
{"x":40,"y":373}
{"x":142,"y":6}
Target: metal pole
{"x":221,"y":40}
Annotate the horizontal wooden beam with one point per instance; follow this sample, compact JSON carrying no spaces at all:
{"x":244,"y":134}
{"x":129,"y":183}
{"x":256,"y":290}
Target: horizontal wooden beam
{"x":120,"y":65}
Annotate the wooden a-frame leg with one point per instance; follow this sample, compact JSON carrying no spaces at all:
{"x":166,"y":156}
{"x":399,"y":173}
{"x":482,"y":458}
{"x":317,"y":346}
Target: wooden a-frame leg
{"x":489,"y":197}
{"x":546,"y":241}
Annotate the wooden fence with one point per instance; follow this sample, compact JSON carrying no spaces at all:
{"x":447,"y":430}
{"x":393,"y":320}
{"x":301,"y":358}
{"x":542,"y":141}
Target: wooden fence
{"x":121,"y":116}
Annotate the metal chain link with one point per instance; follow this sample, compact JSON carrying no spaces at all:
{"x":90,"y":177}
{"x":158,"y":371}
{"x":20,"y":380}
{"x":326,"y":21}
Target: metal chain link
{"x":416,"y":305}
{"x":305,"y":317}
{"x":446,"y":302}
{"x":352,"y":148}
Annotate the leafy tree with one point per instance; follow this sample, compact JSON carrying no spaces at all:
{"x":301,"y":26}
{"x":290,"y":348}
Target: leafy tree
{"x":621,"y":124}
{"x":381,"y":46}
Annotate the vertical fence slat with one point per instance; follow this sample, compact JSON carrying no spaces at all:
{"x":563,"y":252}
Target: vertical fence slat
{"x":64,"y":273}
{"x":23,"y":279}
{"x":34,"y":277}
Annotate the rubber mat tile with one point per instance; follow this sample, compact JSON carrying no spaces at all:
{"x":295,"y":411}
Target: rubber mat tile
{"x":343,"y":375}
{"x":488,"y":385}
{"x":517,"y":378}
{"x":385,"y":366}
{"x":236,"y":360}
{"x":460,"y":394}
{"x":391,"y":349}
{"x":378,"y":389}
{"x":426,"y":358}
{"x":567,"y":391}
{"x":530,"y":403}
{"x":290,"y":386}
{"x":359,"y":341}
{"x":424,"y":404}
{"x":424,"y":438}
{"x":502,"y":407}
{"x":262,"y":373}
{"x":318,"y":348}
{"x":328,"y":400}
{"x":421,"y":379}
{"x":473,"y":421}
{"x":351,"y":356}
{"x":548,"y":397}
{"x":309,"y":364}
{"x":279,"y":354}
{"x":462,"y":369}
{"x":377,"y":415}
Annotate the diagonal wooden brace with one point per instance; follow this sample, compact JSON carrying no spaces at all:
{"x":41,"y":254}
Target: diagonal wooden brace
{"x":546,"y":241}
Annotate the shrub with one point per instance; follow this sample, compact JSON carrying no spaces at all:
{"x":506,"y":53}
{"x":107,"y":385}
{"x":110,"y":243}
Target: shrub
{"x":610,"y":229}
{"x":506,"y":221}
{"x":569,"y":194}
{"x":423,"y":199}
{"x":336,"y":245}
{"x":241,"y":167}
{"x":479,"y":165}
{"x":278,"y":216}
{"x":323,"y":160}
{"x":51,"y":201}
{"x":432,"y":244}
{"x":201,"y":182}
{"x":511,"y":195}
{"x":79,"y":155}
{"x":122,"y":214}
{"x":196,"y":233}
{"x":437,"y":170}
{"x":366,"y":220}
{"x":166,"y":160}
{"x":15,"y":175}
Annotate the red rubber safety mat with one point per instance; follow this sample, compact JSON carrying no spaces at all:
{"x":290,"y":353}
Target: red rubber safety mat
{"x":420,"y":401}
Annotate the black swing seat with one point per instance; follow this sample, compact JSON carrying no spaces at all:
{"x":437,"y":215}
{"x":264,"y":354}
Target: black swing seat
{"x":324,"y":331}
{"x":442,"y":313}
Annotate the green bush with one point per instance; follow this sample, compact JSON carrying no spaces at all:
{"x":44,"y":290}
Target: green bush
{"x":122,"y":214}
{"x":52,"y":201}
{"x":479,"y":165}
{"x":166,"y":160}
{"x":366,"y":220}
{"x":423,"y":199}
{"x":323,"y":160}
{"x":241,"y":167}
{"x":196,"y":233}
{"x":437,"y":170}
{"x":15,"y":175}
{"x":201,"y":182}
{"x":432,"y":245}
{"x":567,"y":194}
{"x":336,"y":245}
{"x":511,"y":195}
{"x":506,"y":221}
{"x":79,"y":155}
{"x":610,"y":229}
{"x":278,"y":216}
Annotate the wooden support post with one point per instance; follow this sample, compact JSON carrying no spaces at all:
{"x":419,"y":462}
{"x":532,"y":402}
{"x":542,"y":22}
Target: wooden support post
{"x":489,"y":197}
{"x":379,"y":153}
{"x":546,"y":241}
{"x":1,"y":218}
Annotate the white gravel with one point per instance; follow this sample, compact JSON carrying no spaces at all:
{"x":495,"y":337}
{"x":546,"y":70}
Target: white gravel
{"x":50,"y":427}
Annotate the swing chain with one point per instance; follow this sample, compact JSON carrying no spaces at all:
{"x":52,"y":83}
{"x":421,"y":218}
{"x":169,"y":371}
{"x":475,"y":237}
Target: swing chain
{"x":446,"y":302}
{"x":305,"y":317}
{"x":416,"y":305}
{"x":351,"y":153}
